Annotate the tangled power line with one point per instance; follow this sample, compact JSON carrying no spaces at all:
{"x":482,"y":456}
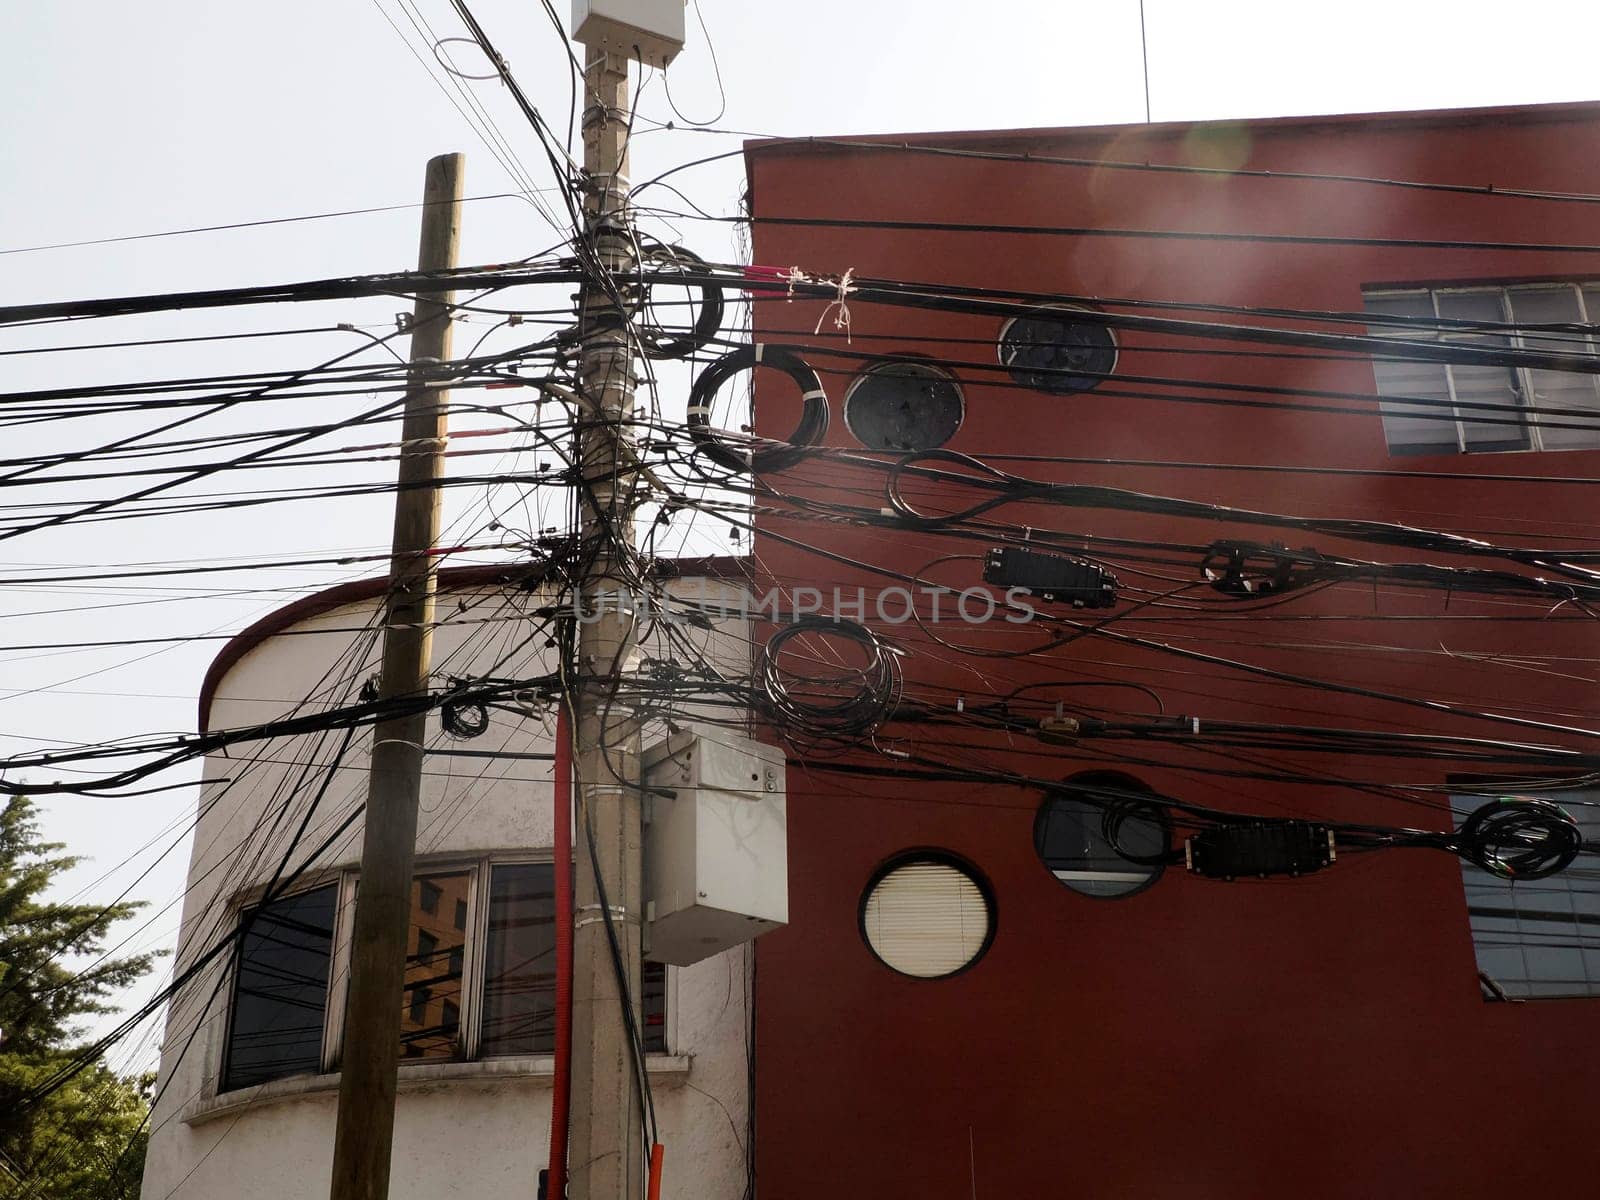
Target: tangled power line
{"x":860,"y":691}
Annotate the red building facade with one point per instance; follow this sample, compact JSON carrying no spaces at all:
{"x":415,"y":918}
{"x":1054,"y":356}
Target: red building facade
{"x":1322,"y":1037}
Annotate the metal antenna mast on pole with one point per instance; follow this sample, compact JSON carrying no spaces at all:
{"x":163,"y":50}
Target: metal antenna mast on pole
{"x":606,"y":1155}
{"x":370,"y":1062}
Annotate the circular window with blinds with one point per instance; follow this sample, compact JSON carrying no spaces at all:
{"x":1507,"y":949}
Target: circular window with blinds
{"x":1054,"y":350}
{"x":928,"y":915}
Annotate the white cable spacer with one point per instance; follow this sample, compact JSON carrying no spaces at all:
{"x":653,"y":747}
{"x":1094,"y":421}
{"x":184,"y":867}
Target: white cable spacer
{"x":595,"y":913}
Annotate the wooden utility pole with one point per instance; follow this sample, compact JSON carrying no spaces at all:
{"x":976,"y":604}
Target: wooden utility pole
{"x":371,"y":1058}
{"x":607,"y":1154}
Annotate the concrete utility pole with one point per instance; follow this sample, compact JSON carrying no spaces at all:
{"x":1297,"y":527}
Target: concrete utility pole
{"x":607,"y":1153}
{"x":370,"y":1062}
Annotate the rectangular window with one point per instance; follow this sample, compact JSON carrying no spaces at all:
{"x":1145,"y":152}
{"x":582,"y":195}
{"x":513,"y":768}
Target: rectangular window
{"x":519,"y":972}
{"x":280,"y":1003}
{"x":519,"y":975}
{"x":1540,"y":937}
{"x":1440,"y":408}
{"x":434,"y":971}
{"x":428,"y":893}
{"x":280,"y":992}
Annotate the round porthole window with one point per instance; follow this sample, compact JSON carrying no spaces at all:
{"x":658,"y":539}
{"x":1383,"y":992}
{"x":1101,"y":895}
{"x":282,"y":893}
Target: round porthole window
{"x":927,"y":915}
{"x":1046,"y":350}
{"x":904,"y":406}
{"x":1074,"y":830}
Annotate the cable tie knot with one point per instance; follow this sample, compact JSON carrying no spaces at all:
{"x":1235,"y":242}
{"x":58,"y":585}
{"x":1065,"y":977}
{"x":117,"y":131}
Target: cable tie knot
{"x":795,"y":276}
{"x":841,"y":319}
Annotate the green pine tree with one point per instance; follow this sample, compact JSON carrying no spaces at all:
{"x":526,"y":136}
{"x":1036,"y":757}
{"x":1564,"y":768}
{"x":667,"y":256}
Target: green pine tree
{"x":86,"y":1140}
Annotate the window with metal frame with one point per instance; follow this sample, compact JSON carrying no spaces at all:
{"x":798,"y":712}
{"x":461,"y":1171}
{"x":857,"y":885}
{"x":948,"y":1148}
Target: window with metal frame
{"x":479,"y":977}
{"x":280,"y":988}
{"x":1468,"y":408}
{"x":519,"y":978}
{"x":1537,"y":938}
{"x":434,"y":967}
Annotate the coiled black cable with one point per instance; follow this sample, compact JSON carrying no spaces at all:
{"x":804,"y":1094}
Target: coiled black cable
{"x":813,"y":426}
{"x":463,"y":719}
{"x":1520,"y":837}
{"x":658,"y":342}
{"x":840,"y":705}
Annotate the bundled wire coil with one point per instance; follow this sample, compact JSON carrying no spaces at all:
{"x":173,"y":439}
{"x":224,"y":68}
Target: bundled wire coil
{"x":838,"y":706}
{"x":813,"y":426}
{"x":1520,"y":837}
{"x":1119,"y":811}
{"x":463,"y":719}
{"x":660,"y":343}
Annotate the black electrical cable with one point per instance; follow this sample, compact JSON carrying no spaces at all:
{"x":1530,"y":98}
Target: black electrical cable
{"x":183,"y":748}
{"x":1493,"y":191}
{"x":1178,"y":235}
{"x":1476,"y":413}
{"x":813,"y":426}
{"x":1012,"y":489}
{"x":777,"y":142}
{"x":1436,"y":706}
{"x":841,"y":706}
{"x":663,"y":343}
{"x":140,"y":237}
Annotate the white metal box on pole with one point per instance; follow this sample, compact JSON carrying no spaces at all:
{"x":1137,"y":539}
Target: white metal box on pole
{"x":653,"y":29}
{"x":716,"y":847}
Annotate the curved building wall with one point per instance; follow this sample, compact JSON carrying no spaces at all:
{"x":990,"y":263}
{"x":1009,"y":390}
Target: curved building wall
{"x":462,"y":1127}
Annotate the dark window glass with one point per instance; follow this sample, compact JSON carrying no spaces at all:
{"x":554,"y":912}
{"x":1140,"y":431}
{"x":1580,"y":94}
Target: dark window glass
{"x":280,"y":996}
{"x":433,"y":973}
{"x":461,"y":915}
{"x":519,"y":961}
{"x":428,"y":894}
{"x":519,"y":967}
{"x":1070,"y":836}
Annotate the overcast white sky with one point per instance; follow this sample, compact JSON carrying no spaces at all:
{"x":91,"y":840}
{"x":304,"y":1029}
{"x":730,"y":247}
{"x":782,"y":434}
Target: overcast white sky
{"x":135,"y":118}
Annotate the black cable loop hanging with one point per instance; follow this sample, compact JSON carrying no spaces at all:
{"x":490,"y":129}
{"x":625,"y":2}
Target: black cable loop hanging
{"x":813,"y":426}
{"x":658,"y":342}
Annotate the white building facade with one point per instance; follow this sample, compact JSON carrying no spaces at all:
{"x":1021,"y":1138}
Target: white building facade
{"x":249,"y":1070}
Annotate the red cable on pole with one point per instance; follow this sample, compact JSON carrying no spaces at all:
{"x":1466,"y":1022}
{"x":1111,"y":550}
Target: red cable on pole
{"x":654,"y":1189}
{"x":561,"y":1089}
